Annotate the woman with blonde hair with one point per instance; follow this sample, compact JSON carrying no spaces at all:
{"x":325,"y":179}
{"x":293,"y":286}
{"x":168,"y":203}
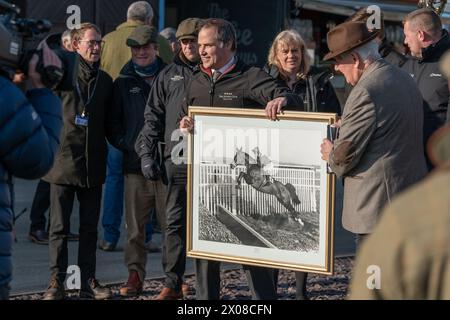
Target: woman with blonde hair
{"x":289,"y":63}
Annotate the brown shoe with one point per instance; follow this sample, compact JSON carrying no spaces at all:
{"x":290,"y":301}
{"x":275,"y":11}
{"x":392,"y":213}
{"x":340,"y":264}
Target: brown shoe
{"x":55,"y":290}
{"x":169,"y":294}
{"x":133,"y":287}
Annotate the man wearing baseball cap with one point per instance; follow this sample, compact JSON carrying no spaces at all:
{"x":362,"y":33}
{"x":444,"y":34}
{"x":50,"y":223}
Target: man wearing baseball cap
{"x":379,"y":149}
{"x":131,"y":90}
{"x":161,"y":115}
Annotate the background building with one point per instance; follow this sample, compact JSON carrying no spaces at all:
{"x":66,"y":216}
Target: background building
{"x":257,"y":21}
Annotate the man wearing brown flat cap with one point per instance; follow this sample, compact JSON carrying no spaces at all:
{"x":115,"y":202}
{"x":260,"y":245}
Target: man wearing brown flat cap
{"x":379,"y":148}
{"x":156,"y":142}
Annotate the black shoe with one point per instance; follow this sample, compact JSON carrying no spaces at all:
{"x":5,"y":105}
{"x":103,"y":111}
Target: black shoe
{"x":106,"y":246}
{"x":73,"y":237}
{"x":38,"y":236}
{"x":93,"y":290}
{"x":55,"y":290}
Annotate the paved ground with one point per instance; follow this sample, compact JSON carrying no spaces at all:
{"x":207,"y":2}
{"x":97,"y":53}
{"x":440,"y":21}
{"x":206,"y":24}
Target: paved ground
{"x":31,"y":260}
{"x":234,"y":286}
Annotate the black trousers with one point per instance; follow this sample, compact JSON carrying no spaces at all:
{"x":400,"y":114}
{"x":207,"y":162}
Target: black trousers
{"x":40,"y":205}
{"x":300,"y":281}
{"x":261,"y":281}
{"x":175,"y":235}
{"x":61,"y":205}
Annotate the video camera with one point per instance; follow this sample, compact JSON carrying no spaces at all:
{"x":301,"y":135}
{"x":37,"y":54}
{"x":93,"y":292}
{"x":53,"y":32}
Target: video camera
{"x":15,"y":32}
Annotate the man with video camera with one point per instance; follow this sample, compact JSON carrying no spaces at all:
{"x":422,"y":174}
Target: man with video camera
{"x":29,"y":138}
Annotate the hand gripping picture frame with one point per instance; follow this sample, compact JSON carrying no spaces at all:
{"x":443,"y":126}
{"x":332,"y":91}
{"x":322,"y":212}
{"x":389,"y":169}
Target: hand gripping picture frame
{"x":258,"y":191}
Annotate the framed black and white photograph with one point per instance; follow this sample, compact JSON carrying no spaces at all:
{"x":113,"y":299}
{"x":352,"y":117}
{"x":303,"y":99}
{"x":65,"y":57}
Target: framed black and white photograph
{"x":258,"y":191}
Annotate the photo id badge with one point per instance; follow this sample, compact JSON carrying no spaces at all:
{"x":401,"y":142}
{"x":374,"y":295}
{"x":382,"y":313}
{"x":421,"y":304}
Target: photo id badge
{"x":81,"y":120}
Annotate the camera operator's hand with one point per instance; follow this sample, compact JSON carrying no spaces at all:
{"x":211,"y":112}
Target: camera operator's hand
{"x":19,"y":78}
{"x":49,"y":58}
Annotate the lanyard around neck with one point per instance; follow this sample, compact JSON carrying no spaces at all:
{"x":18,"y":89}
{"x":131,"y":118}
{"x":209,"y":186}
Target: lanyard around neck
{"x":90,"y":94}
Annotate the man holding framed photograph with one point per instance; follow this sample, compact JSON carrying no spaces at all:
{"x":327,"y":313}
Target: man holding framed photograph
{"x":246,"y":87}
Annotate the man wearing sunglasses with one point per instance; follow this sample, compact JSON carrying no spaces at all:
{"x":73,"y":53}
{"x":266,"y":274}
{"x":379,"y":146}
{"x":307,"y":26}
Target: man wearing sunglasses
{"x":80,"y":167}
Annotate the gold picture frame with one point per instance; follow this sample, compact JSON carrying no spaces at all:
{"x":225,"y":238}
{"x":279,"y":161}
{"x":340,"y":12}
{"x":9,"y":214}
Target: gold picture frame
{"x":258,"y":192}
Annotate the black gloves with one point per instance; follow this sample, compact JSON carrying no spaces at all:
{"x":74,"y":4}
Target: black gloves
{"x":150,"y":168}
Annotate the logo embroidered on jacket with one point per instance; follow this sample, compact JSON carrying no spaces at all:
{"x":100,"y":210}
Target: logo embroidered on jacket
{"x":412,"y":75}
{"x":435,"y":75}
{"x":177,"y":78}
{"x":135,"y":90}
{"x":228,"y":96}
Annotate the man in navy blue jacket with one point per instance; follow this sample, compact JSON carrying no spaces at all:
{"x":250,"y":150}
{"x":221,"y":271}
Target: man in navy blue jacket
{"x":29,"y":137}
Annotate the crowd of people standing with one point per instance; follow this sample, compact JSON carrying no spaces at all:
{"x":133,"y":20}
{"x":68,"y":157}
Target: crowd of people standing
{"x":133,"y":91}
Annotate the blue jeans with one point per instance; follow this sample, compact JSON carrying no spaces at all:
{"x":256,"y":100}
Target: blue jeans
{"x":149,"y":226}
{"x":113,"y":198}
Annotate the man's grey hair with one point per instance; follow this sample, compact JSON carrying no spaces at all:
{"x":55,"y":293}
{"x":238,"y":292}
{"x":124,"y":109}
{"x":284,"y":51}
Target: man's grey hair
{"x":169,"y":34}
{"x":368,"y":52}
{"x":67,"y":35}
{"x":140,"y":11}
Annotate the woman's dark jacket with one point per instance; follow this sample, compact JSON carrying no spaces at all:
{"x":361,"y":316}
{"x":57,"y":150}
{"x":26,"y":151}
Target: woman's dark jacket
{"x":315,"y":90}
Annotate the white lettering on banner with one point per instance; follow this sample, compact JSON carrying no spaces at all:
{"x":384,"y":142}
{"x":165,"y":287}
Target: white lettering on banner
{"x":216,"y":11}
{"x":244,"y":36}
{"x":248,"y":57}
